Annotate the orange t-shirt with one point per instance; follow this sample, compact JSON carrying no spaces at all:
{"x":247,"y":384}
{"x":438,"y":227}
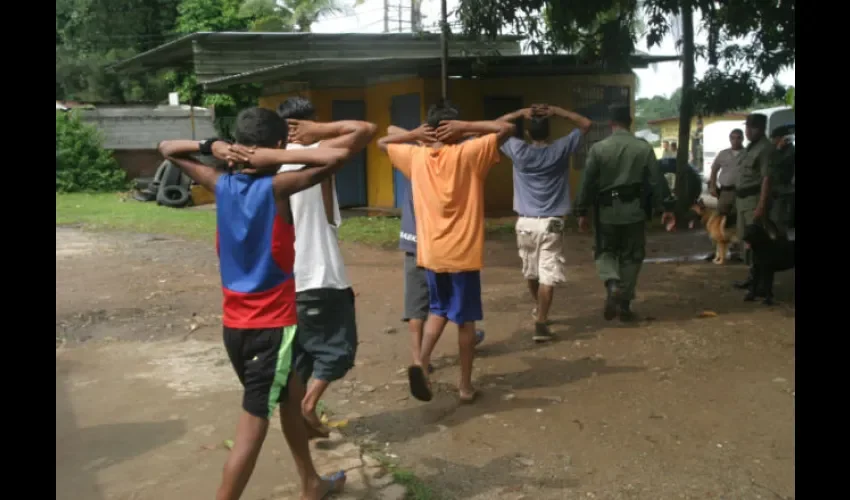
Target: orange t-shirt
{"x":448,"y":198}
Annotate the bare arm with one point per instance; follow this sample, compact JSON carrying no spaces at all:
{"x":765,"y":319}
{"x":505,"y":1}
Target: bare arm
{"x":178,"y":152}
{"x":328,"y":199}
{"x":515,"y":115}
{"x":405,"y":137}
{"x":345,"y":134}
{"x":321,"y":164}
{"x":584,"y":123}
{"x":503,"y":130}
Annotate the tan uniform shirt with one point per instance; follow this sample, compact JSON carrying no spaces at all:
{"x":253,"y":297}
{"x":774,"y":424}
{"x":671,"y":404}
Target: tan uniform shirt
{"x":727,"y":164}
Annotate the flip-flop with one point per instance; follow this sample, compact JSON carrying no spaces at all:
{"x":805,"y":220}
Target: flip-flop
{"x":419,"y":383}
{"x":468,"y":399}
{"x":314,"y":432}
{"x":479,"y":336}
{"x":333,"y":478}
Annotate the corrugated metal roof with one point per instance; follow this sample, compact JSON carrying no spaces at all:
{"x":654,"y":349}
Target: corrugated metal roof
{"x":181,"y":49}
{"x":466,"y":66}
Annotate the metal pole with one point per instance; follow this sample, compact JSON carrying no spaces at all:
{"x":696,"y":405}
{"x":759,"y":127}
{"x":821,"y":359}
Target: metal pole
{"x":444,"y":49}
{"x":386,"y":16}
{"x":192,"y":115}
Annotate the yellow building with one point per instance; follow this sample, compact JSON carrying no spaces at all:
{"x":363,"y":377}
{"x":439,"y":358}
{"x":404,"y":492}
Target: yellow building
{"x":392,"y":79}
{"x":669,"y":127}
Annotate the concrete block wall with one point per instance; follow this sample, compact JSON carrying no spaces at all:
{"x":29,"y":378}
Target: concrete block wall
{"x":144,"y":128}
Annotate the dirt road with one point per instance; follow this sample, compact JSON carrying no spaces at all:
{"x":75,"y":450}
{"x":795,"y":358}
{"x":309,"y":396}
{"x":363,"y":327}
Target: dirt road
{"x":677,"y":407}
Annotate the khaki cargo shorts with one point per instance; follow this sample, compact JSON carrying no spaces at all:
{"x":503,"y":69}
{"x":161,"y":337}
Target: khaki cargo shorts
{"x":541,"y":248}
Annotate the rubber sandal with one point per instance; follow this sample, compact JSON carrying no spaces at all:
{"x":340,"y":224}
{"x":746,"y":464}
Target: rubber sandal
{"x":333,"y":478}
{"x":468,"y":399}
{"x":419,"y":383}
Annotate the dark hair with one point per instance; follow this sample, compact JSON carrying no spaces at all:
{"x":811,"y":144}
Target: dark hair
{"x":621,"y":115}
{"x":442,"y":111}
{"x":737,"y":131}
{"x":297,"y":108}
{"x":259,"y":127}
{"x":757,"y":120}
{"x":538,"y":128}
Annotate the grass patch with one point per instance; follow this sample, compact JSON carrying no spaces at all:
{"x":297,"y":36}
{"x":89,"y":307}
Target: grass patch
{"x":416,"y":489}
{"x":120,"y":212}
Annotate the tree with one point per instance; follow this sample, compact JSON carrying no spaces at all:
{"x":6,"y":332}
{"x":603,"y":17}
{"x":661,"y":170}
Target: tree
{"x":604,"y":31}
{"x":91,"y":34}
{"x":81,"y":162}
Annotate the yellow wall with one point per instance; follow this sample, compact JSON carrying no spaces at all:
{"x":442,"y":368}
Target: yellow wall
{"x":670,"y":128}
{"x":469,"y":96}
{"x":379,"y":170}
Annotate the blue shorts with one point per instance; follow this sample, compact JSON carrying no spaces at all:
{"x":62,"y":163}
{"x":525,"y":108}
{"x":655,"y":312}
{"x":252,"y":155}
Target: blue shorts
{"x":455,"y":296}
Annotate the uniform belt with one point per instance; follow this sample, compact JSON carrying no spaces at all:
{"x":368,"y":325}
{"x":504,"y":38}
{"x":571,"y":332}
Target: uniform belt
{"x":542,"y":216}
{"x":746,"y":192}
{"x":727,"y":188}
{"x":625,"y":194}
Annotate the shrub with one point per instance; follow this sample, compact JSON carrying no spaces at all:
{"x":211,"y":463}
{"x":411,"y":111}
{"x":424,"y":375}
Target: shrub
{"x":82,"y":164}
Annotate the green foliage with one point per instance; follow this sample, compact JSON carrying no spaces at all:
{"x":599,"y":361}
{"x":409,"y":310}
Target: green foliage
{"x":92,"y":34}
{"x":211,"y":15}
{"x":81,"y":162}
{"x":656,"y":108}
{"x":790,"y":99}
{"x":605,"y":32}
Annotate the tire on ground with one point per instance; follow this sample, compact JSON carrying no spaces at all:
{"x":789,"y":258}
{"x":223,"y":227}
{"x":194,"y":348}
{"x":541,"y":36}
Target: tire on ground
{"x":142,"y":183}
{"x":173,"y":196}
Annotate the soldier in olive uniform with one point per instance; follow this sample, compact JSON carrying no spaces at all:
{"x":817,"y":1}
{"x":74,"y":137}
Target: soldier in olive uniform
{"x":616,"y":170}
{"x":753,"y":189}
{"x":783,"y":163}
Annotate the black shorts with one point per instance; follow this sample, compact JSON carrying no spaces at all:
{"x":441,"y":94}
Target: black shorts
{"x":262,"y":359}
{"x":416,"y":300}
{"x":327,"y":334}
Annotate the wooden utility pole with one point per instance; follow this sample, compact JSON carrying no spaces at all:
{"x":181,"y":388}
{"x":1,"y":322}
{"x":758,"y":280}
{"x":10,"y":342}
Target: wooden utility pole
{"x":386,"y":16}
{"x":444,"y":49}
{"x":686,"y":110}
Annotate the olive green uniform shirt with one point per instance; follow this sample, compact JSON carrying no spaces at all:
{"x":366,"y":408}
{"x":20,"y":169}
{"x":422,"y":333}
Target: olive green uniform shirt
{"x":619,"y":160}
{"x":754,"y":167}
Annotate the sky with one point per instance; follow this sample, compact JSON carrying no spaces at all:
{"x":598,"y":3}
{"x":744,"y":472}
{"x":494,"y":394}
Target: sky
{"x":662,"y":79}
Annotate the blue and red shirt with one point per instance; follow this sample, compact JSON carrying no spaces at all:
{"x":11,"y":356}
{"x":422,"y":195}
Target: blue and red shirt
{"x":256,"y":251}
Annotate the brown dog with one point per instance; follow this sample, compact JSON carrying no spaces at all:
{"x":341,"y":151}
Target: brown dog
{"x":715,"y":225}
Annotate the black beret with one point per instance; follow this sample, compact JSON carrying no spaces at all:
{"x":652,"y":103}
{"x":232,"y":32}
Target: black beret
{"x":782,"y":131}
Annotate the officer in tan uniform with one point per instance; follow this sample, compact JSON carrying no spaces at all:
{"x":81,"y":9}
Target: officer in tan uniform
{"x":612,"y":181}
{"x":753,"y":189}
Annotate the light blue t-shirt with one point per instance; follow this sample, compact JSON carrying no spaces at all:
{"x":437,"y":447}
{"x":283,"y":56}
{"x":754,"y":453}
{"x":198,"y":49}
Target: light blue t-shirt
{"x":540,"y":175}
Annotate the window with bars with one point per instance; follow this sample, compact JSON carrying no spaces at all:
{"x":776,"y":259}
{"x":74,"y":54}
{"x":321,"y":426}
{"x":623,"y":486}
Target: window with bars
{"x":593,"y":101}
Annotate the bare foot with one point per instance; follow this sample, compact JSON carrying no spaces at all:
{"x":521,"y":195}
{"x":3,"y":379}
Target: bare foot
{"x":315,"y":428}
{"x":326,"y":486}
{"x":468,"y":395}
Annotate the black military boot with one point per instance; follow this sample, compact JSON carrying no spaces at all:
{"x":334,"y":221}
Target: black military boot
{"x":626,"y":313}
{"x":612,"y":300}
{"x":744,"y":285}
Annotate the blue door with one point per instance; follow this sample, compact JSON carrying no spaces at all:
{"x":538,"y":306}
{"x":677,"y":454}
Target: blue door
{"x":351,"y":179}
{"x":404,"y":113}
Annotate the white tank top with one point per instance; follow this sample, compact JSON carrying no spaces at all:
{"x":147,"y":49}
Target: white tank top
{"x":318,"y":259}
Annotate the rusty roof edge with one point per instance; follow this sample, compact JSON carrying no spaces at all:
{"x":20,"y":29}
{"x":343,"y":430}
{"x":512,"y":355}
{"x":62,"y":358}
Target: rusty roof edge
{"x":228,"y":80}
